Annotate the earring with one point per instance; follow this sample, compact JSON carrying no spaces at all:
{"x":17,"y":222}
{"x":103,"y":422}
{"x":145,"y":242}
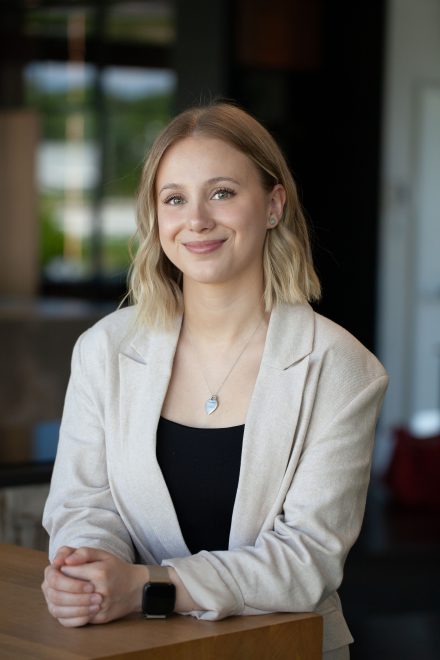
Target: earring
{"x":272,"y":221}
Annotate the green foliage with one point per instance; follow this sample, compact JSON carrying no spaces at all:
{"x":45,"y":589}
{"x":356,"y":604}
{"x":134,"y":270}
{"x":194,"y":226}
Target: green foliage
{"x":115,"y":256}
{"x":51,"y":238}
{"x":131,"y":129}
{"x":124,"y":129}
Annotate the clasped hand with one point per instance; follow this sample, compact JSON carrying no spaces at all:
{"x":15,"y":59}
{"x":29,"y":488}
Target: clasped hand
{"x":88,"y":585}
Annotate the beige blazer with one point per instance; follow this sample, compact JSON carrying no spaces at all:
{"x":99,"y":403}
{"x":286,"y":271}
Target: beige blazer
{"x":304,"y":470}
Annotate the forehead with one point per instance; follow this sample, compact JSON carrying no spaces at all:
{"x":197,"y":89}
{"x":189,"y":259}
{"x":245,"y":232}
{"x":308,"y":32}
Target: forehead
{"x":200,"y":157}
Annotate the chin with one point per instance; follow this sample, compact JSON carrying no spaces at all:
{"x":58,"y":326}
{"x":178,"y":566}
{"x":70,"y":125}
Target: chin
{"x":204,"y":273}
{"x":206,"y":277}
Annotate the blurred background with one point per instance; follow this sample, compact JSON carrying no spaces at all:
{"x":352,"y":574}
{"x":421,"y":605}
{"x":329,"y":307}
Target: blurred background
{"x":351,"y":91}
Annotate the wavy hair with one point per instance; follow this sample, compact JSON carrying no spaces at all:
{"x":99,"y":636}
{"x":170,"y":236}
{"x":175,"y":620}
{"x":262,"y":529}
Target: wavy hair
{"x":155,"y":284}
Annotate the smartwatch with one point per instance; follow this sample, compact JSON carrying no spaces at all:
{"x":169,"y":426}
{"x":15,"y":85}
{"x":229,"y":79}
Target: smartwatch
{"x":159,"y":594}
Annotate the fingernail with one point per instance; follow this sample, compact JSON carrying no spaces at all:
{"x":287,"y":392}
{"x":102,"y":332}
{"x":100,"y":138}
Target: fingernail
{"x":96,"y":599}
{"x":93,"y":608}
{"x":88,"y":588}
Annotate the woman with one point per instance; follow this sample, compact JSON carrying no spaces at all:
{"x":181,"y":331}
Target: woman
{"x":218,"y":428}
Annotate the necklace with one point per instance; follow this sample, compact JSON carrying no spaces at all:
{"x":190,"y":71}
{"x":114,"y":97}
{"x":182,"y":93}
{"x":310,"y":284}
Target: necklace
{"x":212,"y":403}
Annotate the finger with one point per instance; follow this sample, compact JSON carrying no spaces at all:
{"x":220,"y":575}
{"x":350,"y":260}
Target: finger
{"x":56,"y":580}
{"x":61,"y":555}
{"x":101,"y":617}
{"x":75,"y":622}
{"x":85,"y":555}
{"x":71,"y":612}
{"x":63,"y":598}
{"x":82,"y":572}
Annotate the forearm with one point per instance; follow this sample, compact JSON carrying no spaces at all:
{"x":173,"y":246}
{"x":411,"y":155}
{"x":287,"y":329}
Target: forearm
{"x":184,"y":602}
{"x":298,"y":563}
{"x":88,"y":585}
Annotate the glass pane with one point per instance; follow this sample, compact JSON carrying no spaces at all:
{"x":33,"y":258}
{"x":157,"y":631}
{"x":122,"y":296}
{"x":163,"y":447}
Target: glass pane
{"x":150,"y":22}
{"x":97,"y":122}
{"x":147,"y":22}
{"x":88,"y":176}
{"x":138,"y":104}
{"x":53,"y":21}
{"x":67,"y":164}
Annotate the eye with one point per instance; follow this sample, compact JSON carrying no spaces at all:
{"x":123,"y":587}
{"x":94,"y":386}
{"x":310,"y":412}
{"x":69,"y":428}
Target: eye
{"x":223,"y":193}
{"x":174,"y":200}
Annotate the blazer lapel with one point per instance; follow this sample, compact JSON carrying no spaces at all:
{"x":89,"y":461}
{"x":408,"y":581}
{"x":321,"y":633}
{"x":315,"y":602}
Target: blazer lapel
{"x":272,"y":419}
{"x":145,"y":369}
{"x":145,"y":366}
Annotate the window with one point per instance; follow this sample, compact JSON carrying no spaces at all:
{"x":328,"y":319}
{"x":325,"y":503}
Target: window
{"x":99,"y":113}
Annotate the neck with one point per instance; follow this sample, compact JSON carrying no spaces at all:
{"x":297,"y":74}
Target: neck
{"x":220,"y":314}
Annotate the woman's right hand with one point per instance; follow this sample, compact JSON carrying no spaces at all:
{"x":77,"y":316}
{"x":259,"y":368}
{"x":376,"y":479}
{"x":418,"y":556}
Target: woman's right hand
{"x":70,"y":600}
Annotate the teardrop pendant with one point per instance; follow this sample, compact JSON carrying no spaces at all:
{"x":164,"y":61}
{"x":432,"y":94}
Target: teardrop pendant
{"x":211,"y":404}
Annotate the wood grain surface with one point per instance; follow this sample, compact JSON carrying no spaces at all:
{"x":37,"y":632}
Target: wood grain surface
{"x":27,"y":630}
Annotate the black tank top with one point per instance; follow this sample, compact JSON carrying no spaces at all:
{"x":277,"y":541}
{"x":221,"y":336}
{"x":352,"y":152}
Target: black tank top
{"x":201,"y":469}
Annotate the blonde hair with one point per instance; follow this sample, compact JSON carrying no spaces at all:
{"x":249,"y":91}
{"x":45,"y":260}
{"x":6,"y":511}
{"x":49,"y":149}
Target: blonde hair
{"x":156,"y":284}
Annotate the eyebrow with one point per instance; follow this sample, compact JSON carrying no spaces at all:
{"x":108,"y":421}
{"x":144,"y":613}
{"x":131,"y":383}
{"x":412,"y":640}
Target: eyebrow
{"x":215,"y":179}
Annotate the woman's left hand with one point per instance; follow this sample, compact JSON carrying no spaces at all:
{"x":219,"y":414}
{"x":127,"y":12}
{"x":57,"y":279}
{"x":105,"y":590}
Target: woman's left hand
{"x":119,"y":583}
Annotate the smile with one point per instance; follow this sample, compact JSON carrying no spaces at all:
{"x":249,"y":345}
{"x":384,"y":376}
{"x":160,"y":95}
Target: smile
{"x":203,"y":247}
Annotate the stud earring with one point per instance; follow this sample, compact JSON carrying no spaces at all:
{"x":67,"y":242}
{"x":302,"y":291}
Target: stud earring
{"x":272,"y":221}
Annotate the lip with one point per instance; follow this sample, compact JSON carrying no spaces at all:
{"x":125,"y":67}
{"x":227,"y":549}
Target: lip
{"x":203,"y":247}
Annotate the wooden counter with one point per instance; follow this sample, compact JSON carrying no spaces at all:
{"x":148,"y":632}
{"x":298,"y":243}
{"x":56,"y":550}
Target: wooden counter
{"x":27,"y":630}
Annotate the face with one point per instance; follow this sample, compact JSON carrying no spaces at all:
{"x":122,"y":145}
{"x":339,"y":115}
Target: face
{"x":213,"y":212}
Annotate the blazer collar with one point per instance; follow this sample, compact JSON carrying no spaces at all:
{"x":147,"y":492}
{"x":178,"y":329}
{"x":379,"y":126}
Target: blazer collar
{"x":283,"y":348}
{"x":289,"y":336}
{"x":144,"y":344}
{"x":270,"y":441}
{"x":267,"y":443}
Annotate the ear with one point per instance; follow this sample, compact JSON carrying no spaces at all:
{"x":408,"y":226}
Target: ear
{"x":276,"y":205}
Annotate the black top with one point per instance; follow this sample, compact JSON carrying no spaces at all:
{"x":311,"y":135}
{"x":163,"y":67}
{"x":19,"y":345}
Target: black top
{"x":201,"y":469}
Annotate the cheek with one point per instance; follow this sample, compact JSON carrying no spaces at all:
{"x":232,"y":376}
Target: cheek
{"x":252,"y":224}
{"x":165,"y":227}
{"x":167,"y":247}
{"x":163,"y":236}
{"x":169,"y":218}
{"x":167,"y":230}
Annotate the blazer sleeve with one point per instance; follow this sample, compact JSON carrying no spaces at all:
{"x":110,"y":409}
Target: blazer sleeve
{"x":296,"y":565}
{"x":80,"y":510}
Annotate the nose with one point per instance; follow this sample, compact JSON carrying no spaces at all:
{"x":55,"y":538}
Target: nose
{"x":199,"y":219}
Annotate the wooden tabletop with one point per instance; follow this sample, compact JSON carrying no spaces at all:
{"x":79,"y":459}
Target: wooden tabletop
{"x":27,"y":630}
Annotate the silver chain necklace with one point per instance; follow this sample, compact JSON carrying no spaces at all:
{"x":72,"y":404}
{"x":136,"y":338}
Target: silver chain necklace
{"x":212,"y":403}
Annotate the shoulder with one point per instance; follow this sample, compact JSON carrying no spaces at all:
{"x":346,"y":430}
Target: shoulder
{"x":97,"y":349}
{"x":112,"y":331}
{"x":345,"y":369}
{"x":330,"y":347}
{"x":122,"y":332}
{"x":343,"y":351}
{"x":340,"y":369}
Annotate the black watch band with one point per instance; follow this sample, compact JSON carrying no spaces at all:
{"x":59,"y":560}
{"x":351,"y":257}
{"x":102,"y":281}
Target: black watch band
{"x":159,"y":594}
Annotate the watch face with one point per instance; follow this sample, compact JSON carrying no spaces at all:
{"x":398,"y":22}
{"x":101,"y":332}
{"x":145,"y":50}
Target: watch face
{"x":158,"y":599}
